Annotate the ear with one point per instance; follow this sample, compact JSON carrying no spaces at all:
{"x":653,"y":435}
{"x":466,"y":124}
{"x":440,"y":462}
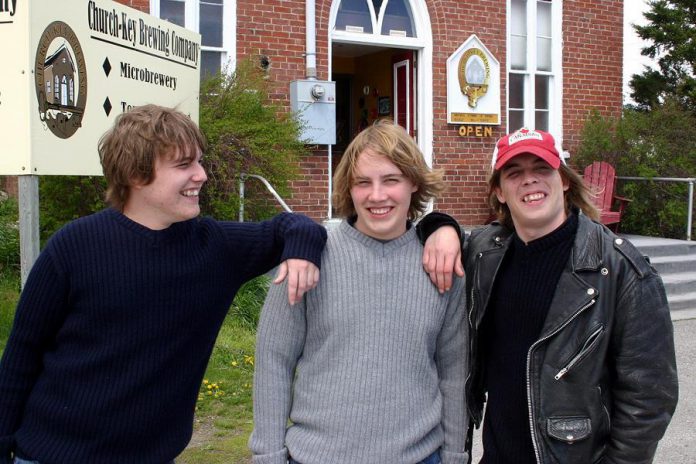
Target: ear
{"x":499,"y":194}
{"x":566,"y":183}
{"x":414,"y":188}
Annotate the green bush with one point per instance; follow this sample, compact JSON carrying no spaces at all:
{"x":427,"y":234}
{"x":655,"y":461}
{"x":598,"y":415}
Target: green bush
{"x":9,"y":236}
{"x":659,"y":143}
{"x":246,"y":133}
{"x":66,"y":198}
{"x":247,"y":305}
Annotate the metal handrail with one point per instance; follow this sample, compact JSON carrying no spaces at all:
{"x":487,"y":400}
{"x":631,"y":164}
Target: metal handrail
{"x":688,"y":180}
{"x":242,"y":180}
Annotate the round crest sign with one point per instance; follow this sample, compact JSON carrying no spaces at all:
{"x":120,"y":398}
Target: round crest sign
{"x":61,"y":80}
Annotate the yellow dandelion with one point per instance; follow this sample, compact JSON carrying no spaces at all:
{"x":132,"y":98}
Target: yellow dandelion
{"x":234,"y":363}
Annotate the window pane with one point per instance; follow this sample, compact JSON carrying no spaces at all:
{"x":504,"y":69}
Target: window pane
{"x":543,"y":54}
{"x":541,"y":92}
{"x":518,"y":52}
{"x":516,"y":120}
{"x":397,"y":19}
{"x":211,"y":24}
{"x":173,"y":11}
{"x":543,"y":19}
{"x":354,"y":16}
{"x":518,"y":17}
{"x":541,"y":120}
{"x":210,"y":63}
{"x":516,"y":86}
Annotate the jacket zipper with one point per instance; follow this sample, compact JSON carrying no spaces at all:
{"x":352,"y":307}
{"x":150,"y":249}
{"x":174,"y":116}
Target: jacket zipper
{"x":585,"y":347}
{"x":529,"y":383}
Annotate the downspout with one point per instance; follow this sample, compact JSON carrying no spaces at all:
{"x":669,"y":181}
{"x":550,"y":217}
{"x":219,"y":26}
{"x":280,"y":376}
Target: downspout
{"x":310,"y":40}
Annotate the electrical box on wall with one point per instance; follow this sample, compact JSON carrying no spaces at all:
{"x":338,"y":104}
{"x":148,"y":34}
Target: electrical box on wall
{"x":315,"y":104}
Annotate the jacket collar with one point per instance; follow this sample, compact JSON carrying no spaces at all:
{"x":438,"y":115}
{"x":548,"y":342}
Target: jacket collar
{"x":587,"y":250}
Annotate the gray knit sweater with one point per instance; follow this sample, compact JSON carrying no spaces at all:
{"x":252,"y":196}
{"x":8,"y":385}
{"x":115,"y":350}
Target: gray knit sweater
{"x":368,"y":368}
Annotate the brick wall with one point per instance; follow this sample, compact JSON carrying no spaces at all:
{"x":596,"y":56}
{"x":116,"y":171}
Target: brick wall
{"x":142,"y":5}
{"x":592,"y":62}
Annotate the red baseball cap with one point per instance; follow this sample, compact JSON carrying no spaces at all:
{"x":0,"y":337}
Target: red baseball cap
{"x":536,"y":142}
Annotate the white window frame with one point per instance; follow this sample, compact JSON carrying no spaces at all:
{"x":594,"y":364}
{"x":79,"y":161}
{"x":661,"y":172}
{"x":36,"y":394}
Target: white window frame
{"x":228,"y":56}
{"x":555,"y":116}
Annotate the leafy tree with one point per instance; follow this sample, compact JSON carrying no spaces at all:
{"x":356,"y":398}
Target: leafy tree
{"x":658,"y":143}
{"x":671,"y":32}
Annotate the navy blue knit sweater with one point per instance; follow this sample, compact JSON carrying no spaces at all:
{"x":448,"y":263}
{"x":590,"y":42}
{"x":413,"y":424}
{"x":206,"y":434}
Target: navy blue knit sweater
{"x":114,"y":329}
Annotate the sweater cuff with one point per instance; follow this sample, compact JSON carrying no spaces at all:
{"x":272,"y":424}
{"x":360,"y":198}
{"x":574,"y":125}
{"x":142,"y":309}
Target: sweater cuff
{"x":307,"y":242}
{"x":433,"y":221}
{"x":279,"y":457}
{"x":448,"y":457}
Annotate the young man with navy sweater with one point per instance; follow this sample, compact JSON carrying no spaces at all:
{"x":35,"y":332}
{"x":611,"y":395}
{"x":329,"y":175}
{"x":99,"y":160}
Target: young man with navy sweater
{"x":571,"y":343}
{"x":120,"y":312}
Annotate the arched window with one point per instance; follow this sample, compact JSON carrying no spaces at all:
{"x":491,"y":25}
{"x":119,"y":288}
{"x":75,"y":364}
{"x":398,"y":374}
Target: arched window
{"x":72,"y":91}
{"x":56,"y":88}
{"x":379,"y":17}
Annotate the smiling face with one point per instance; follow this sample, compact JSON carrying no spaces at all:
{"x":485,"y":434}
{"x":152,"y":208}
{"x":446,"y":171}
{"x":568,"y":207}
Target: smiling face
{"x":533,"y":191}
{"x":172,"y":196}
{"x":381,"y":196}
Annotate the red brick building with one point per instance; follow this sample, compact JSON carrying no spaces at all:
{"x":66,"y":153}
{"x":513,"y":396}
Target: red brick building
{"x":558,"y":60}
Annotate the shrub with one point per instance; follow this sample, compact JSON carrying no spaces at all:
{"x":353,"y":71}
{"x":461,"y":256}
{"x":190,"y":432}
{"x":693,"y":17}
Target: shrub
{"x":66,"y":198}
{"x":659,"y":143}
{"x":9,"y":236}
{"x":247,"y":305}
{"x":246,"y":133}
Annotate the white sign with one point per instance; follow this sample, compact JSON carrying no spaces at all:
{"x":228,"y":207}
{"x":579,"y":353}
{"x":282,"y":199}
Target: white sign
{"x":473,"y":85}
{"x":72,"y":66}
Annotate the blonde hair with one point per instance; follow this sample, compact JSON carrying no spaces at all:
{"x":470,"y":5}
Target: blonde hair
{"x":390,"y":140}
{"x":129,"y":149}
{"x":577,"y":196}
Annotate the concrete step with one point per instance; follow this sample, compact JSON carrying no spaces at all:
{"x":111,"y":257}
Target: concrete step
{"x":674,"y":263}
{"x":679,"y":283}
{"x":682,"y":301}
{"x":675,"y":260}
{"x":656,"y":247}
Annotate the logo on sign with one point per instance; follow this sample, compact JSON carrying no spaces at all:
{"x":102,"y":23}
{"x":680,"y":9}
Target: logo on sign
{"x":61,"y":80}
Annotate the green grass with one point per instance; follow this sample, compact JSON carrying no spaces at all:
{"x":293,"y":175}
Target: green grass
{"x":224,"y":420}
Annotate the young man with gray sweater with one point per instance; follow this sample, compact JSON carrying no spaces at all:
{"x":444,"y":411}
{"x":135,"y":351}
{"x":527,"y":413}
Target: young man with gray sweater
{"x":369,"y":366}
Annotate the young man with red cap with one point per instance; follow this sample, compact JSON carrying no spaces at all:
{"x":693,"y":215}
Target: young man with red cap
{"x":572,"y":344}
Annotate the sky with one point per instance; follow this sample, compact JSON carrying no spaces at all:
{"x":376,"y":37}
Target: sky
{"x":633,"y":61}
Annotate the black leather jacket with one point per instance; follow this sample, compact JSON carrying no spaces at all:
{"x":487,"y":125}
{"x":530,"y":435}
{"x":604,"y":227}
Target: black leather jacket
{"x":602,"y":377}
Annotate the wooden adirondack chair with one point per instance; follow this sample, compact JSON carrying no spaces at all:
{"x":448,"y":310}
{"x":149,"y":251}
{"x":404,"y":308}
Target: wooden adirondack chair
{"x":600,"y":176}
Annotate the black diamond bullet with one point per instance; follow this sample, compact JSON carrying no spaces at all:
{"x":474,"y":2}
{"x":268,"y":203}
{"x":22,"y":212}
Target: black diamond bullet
{"x":107,"y":67}
{"x":107,"y":106}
